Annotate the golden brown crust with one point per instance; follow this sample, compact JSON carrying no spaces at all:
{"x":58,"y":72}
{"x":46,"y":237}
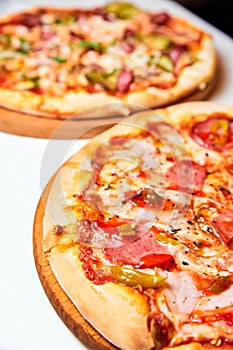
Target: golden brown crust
{"x":125,"y":310}
{"x":102,"y":305}
{"x":192,"y":80}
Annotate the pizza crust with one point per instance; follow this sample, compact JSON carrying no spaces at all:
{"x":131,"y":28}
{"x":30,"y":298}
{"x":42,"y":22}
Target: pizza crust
{"x":113,"y":310}
{"x":117,"y":312}
{"x":195,"y":79}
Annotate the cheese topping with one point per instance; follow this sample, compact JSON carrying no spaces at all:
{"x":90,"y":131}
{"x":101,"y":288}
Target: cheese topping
{"x":52,"y":51}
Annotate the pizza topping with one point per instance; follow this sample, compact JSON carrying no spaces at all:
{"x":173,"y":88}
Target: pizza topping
{"x":92,"y":45}
{"x":165,"y":63}
{"x":107,"y":80}
{"x":27,"y":19}
{"x":85,"y":212}
{"x":160,"y":18}
{"x":130,"y":50}
{"x":176,"y":53}
{"x":181,"y":293}
{"x":220,"y":284}
{"x":127,"y":47}
{"x":178,"y":176}
{"x":215,"y":133}
{"x":135,"y":278}
{"x":125,"y":78}
{"x":224,"y":226}
{"x":230,"y":168}
{"x":157,"y":42}
{"x":164,"y":261}
{"x":213,"y":316}
{"x":122,"y":10}
{"x":147,"y":197}
{"x":132,"y":253}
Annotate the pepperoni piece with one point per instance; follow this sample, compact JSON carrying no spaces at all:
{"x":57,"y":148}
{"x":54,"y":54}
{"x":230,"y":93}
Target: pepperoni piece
{"x":185,"y":175}
{"x":224,"y":227}
{"x":124,"y":80}
{"x":215,"y":133}
{"x":133,"y":252}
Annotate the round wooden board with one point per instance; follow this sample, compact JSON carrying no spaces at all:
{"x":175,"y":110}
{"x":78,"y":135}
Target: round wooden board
{"x":29,"y":125}
{"x":64,"y":307}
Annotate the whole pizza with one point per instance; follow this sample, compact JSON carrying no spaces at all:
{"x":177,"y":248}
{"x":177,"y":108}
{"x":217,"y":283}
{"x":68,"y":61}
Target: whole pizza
{"x":138,"y":229}
{"x":56,"y":62}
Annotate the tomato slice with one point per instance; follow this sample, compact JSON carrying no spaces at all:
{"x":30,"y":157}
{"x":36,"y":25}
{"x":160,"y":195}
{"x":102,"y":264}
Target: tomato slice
{"x":157,"y":260}
{"x":148,"y":197}
{"x":113,"y":222}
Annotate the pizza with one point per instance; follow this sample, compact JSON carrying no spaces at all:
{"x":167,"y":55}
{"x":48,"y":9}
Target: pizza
{"x":138,"y":229}
{"x":56,"y":62}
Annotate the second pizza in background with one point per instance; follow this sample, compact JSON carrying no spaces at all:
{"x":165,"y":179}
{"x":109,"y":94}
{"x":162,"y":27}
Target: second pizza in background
{"x":56,"y":62}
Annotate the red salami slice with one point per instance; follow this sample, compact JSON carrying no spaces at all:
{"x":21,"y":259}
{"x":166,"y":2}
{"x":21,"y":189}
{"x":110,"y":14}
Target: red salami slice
{"x":132,"y":253}
{"x":178,"y":176}
{"x":215,"y":133}
{"x":224,"y":227}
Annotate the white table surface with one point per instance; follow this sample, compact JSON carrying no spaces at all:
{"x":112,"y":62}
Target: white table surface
{"x":27,"y":319}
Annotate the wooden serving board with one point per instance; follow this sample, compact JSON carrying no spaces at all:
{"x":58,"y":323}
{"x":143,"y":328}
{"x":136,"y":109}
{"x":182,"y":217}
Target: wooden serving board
{"x":28,"y":125}
{"x":64,"y":307}
{"x":85,"y":126}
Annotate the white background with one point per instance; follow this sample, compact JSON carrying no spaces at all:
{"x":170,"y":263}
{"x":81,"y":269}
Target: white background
{"x":27,"y":319}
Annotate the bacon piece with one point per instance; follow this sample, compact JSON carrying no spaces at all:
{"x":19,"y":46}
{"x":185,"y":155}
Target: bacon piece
{"x":179,"y":175}
{"x":224,"y":227}
{"x":124,"y":80}
{"x":132,"y":253}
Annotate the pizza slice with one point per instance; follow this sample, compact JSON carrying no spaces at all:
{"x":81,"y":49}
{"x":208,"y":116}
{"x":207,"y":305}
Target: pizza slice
{"x":138,"y":229}
{"x":56,"y":62}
